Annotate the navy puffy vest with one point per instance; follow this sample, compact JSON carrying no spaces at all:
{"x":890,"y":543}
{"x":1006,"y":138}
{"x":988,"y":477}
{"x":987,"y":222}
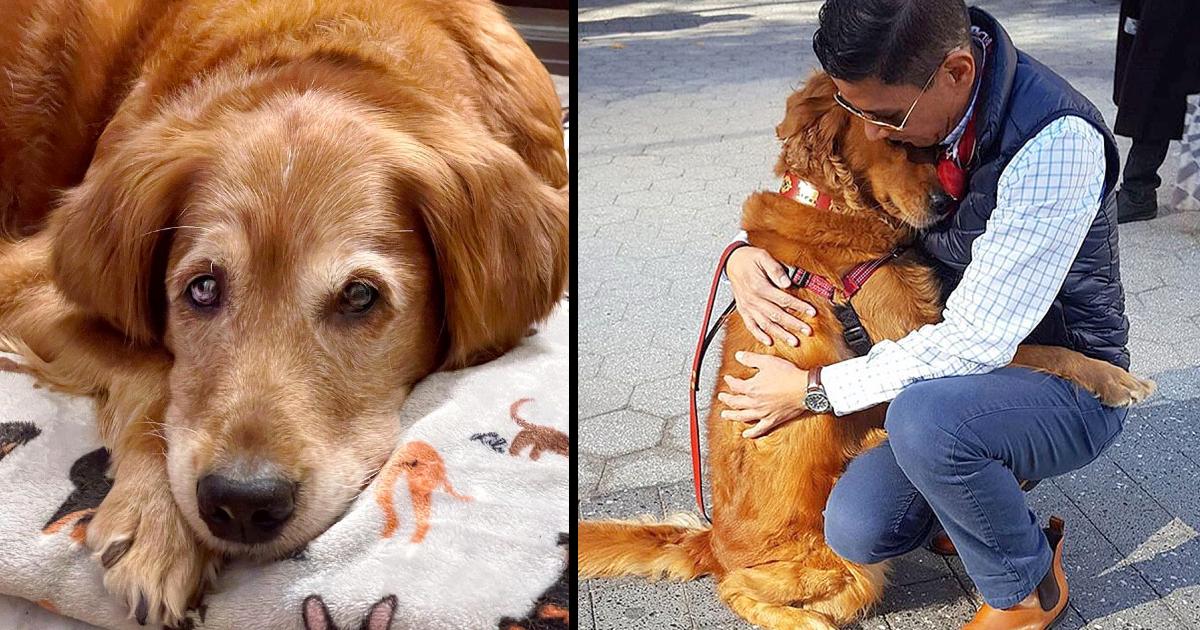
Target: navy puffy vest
{"x":1018,"y":97}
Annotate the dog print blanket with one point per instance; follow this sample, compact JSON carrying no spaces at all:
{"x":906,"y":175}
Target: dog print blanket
{"x":465,"y":528}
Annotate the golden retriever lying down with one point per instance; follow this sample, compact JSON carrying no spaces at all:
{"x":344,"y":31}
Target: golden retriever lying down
{"x":263,"y":222}
{"x":769,"y":554}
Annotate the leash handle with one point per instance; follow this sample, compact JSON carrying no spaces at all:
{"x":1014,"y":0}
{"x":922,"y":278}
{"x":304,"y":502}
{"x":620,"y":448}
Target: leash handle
{"x":706,"y":336}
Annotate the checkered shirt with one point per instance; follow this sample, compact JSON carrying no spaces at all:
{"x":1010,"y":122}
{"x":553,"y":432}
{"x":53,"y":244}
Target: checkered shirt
{"x":1046,"y":200}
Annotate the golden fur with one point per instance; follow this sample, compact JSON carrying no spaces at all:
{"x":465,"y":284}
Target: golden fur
{"x":288,"y":148}
{"x":769,"y":555}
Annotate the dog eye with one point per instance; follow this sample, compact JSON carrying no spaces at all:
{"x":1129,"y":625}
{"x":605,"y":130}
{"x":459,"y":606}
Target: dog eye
{"x":204,"y":292}
{"x":357,"y":298}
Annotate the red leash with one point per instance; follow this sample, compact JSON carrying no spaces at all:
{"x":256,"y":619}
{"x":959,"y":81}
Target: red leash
{"x":850,"y":285}
{"x":706,"y":337}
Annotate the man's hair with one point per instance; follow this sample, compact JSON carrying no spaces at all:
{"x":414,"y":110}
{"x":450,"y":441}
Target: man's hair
{"x":894,"y":41}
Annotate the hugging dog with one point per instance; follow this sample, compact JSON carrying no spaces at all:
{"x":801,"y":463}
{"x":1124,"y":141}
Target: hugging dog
{"x":767,"y":550}
{"x":255,"y":225}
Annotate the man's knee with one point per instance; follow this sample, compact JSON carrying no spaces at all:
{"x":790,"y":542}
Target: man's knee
{"x":860,"y":533}
{"x":916,"y":415}
{"x":923,"y":422}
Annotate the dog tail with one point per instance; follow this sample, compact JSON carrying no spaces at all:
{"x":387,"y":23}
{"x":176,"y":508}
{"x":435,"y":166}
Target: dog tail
{"x":678,"y":550}
{"x":512,"y":411}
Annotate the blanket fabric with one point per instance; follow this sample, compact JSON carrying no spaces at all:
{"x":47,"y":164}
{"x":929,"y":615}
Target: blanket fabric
{"x":466,"y":527}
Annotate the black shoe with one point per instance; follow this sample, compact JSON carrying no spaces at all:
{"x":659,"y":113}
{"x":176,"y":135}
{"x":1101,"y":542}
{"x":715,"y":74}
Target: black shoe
{"x":1136,"y":205}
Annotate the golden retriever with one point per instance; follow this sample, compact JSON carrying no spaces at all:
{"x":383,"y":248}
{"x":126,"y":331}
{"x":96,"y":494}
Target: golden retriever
{"x":769,"y":556}
{"x":256,"y":224}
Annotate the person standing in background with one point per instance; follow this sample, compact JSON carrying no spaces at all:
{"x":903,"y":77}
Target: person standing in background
{"x":1158,"y":65}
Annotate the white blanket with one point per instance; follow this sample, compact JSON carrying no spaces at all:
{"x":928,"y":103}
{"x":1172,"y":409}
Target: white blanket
{"x":491,"y":554}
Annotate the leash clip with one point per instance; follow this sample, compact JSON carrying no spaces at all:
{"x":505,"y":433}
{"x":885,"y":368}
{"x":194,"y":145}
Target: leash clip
{"x":857,"y":337}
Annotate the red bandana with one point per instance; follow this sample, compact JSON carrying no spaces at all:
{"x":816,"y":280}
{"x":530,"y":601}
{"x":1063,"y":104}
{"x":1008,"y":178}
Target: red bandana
{"x":952,"y":173}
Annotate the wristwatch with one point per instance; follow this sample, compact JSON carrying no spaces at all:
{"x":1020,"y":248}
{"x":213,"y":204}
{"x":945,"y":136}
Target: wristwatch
{"x":815,"y":399}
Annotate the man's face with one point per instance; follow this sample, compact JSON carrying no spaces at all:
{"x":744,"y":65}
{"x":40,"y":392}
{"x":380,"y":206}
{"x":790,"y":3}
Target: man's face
{"x":935,"y":113}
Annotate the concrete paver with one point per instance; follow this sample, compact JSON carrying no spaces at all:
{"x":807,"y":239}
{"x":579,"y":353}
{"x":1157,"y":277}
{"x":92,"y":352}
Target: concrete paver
{"x":677,"y":108}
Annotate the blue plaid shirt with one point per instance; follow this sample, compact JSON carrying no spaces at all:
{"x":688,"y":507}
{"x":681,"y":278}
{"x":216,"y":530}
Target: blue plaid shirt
{"x":1047,"y":199}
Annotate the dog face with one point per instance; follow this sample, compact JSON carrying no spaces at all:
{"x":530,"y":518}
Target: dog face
{"x":826,"y":145}
{"x":305,"y":262}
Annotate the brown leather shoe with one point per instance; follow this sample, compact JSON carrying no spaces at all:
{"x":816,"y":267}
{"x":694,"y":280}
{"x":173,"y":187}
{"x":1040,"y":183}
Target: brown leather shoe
{"x":941,"y":544}
{"x":1043,"y":607}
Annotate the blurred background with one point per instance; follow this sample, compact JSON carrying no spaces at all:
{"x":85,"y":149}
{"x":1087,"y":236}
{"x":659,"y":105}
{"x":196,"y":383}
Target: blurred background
{"x":546,"y":27}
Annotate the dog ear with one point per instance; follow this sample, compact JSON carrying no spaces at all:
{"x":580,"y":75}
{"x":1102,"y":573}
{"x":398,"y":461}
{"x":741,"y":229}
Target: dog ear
{"x":499,"y":235}
{"x":811,"y":124}
{"x":111,"y":232}
{"x":813,"y":107}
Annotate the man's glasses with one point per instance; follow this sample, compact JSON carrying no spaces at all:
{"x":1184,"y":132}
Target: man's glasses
{"x":887,"y":124}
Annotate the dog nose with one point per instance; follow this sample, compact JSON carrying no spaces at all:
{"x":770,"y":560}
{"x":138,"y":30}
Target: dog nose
{"x":245,"y":510}
{"x":941,"y":203}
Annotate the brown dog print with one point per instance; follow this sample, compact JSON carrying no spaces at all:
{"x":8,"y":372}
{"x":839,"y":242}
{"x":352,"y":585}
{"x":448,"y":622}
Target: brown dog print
{"x":426,"y":472}
{"x":8,"y":365}
{"x":14,"y":434}
{"x":540,"y":438}
{"x":316,"y":614}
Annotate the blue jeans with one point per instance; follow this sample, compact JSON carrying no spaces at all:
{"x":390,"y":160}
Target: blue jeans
{"x":955,"y":450}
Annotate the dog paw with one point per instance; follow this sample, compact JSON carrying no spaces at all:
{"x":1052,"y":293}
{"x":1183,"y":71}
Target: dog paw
{"x":1124,"y":389}
{"x":152,"y":561}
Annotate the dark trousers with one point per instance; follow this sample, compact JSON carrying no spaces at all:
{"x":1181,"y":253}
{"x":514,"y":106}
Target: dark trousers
{"x":1141,"y":177}
{"x":955,"y":449}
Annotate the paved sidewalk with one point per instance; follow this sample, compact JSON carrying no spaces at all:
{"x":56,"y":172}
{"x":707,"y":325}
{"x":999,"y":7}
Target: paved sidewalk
{"x":677,"y":106}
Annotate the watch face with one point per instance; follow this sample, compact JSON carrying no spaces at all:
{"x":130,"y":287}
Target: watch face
{"x":817,"y":401}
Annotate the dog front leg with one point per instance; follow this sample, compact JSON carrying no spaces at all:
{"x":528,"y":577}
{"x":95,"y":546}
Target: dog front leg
{"x":1112,"y":385}
{"x":151,"y":558}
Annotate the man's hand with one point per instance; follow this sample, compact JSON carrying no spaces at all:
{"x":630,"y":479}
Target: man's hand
{"x":758,"y":281}
{"x":772,"y":397}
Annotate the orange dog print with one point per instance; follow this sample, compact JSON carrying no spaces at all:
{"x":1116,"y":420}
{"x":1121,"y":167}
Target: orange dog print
{"x":78,"y":521}
{"x":426,"y":472}
{"x":541,"y":438}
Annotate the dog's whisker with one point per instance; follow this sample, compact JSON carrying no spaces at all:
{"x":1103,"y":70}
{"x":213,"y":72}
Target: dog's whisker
{"x":162,"y":427}
{"x":173,"y":227}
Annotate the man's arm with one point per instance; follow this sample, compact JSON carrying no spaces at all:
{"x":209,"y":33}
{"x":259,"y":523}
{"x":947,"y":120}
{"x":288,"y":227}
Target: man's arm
{"x":742,"y":237}
{"x":1047,"y":199}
